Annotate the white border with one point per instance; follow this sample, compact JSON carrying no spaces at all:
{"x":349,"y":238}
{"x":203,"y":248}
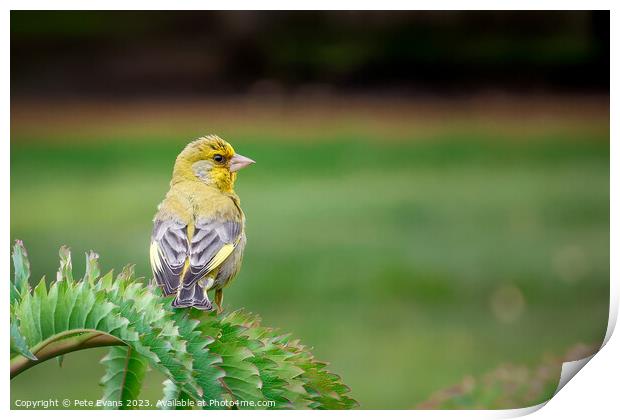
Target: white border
{"x":594,"y":393}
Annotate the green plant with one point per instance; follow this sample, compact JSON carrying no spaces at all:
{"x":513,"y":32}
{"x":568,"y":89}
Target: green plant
{"x":205,"y":357}
{"x":507,"y":386}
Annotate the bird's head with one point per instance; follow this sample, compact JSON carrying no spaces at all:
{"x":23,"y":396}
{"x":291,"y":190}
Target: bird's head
{"x":211,"y":160}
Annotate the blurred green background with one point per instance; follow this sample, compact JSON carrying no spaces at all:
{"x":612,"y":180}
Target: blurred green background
{"x":411,"y":239}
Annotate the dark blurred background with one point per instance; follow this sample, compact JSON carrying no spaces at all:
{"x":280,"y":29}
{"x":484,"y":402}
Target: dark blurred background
{"x":197,"y":53}
{"x":430,"y":202}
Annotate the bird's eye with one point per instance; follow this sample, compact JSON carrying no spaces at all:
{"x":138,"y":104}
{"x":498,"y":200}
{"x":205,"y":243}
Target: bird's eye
{"x":218,"y":158}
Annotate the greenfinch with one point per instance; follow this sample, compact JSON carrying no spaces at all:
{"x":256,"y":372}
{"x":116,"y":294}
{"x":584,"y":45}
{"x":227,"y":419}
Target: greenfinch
{"x":199,"y":229}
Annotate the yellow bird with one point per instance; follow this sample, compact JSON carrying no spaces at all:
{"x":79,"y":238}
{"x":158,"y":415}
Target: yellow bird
{"x":199,"y":228}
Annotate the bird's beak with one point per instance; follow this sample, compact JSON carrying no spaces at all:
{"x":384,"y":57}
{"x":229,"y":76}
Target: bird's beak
{"x":239,"y":162}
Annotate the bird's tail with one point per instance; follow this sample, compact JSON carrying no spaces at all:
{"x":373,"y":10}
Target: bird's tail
{"x":195,"y":296}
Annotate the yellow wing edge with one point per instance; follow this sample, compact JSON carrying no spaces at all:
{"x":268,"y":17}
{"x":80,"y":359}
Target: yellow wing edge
{"x":220,"y":257}
{"x":154,"y":257}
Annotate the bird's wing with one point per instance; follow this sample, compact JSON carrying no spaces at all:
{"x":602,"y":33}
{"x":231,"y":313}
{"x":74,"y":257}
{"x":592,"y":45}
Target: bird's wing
{"x":169,"y":253}
{"x":213,"y":241}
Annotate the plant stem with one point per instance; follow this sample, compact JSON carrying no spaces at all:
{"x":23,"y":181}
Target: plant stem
{"x":66,"y":342}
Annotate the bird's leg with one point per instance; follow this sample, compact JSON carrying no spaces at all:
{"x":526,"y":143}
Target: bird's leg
{"x":219,"y":300}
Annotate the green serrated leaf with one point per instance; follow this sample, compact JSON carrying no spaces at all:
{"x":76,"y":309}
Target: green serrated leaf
{"x":205,"y":361}
{"x":159,"y":337}
{"x":65,"y":270}
{"x":47,"y":302}
{"x":92,"y":267}
{"x":125,"y":370}
{"x":127,"y":273}
{"x":22,"y":269}
{"x":174,"y":398}
{"x":107,"y":280}
{"x":18,"y":343}
{"x":204,"y":356}
{"x":241,"y":379}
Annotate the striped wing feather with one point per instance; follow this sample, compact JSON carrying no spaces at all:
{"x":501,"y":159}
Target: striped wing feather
{"x":174,"y":257}
{"x":213,"y":242}
{"x":169,"y":252}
